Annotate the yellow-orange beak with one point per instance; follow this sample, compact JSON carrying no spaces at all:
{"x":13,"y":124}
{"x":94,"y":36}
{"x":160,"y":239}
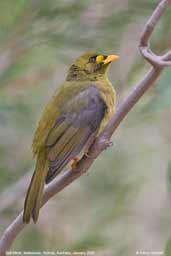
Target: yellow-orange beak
{"x":111,"y":58}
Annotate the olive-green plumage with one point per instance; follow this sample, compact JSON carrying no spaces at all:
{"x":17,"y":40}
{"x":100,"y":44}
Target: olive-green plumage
{"x":76,"y":114}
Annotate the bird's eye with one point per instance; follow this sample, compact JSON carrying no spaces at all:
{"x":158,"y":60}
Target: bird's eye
{"x":93,"y":59}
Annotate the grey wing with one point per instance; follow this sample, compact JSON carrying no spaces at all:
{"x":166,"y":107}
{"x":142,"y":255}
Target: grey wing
{"x":77,"y":124}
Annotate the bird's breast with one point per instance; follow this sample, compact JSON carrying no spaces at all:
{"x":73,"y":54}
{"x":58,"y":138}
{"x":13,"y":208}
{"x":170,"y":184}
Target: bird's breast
{"x":108,"y":94}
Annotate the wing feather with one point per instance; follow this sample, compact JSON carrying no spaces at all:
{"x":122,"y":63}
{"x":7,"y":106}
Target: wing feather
{"x":70,"y":150}
{"x":56,"y":150}
{"x":57,"y":131}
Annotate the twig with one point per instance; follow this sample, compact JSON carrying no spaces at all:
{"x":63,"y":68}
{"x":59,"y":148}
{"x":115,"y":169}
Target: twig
{"x":103,"y":141}
{"x":153,"y":59}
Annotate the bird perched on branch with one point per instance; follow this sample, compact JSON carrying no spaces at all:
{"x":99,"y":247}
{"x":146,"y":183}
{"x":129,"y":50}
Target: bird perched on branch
{"x":74,"y":117}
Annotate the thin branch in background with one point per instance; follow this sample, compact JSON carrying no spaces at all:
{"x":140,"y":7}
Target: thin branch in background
{"x":103,"y":141}
{"x":152,"y":58}
{"x":15,"y":192}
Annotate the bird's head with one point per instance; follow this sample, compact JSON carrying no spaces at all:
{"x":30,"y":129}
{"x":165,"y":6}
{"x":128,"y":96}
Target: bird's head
{"x":90,"y":66}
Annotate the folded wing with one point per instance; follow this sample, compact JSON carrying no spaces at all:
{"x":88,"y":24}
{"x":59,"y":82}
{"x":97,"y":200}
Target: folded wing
{"x":78,"y":123}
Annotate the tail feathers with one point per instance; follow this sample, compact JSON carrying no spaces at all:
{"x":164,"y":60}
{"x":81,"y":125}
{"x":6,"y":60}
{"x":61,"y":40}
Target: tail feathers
{"x":38,"y":202}
{"x":34,"y":195}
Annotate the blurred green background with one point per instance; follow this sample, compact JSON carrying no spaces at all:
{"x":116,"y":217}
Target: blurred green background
{"x":123,"y":205}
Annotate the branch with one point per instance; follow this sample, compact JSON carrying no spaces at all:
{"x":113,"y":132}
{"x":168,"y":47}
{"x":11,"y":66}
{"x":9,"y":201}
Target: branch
{"x":103,"y":141}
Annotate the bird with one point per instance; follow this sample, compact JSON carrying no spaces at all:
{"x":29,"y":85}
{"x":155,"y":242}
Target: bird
{"x":74,"y":117}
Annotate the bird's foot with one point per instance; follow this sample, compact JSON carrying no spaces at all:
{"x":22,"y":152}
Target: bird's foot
{"x":74,"y":163}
